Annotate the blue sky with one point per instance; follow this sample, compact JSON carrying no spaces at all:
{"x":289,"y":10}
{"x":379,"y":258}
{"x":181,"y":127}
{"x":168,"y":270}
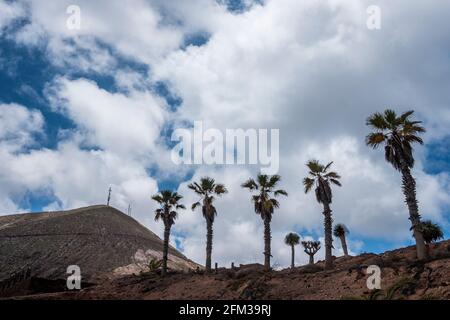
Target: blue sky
{"x":94,"y":108}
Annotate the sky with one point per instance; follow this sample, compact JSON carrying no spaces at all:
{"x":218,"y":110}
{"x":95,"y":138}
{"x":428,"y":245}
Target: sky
{"x":82,"y":110}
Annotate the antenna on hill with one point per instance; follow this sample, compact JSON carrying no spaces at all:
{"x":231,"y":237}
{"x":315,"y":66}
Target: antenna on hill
{"x":109,"y":196}
{"x":129,"y":210}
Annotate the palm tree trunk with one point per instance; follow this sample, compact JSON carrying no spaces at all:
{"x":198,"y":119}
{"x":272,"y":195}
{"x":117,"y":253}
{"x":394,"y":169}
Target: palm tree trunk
{"x":409,"y":190}
{"x":267,"y":239}
{"x":209,"y":239}
{"x":344,"y":245}
{"x":165,"y":249}
{"x":292,"y":257}
{"x":328,"y":236}
{"x":311,"y":259}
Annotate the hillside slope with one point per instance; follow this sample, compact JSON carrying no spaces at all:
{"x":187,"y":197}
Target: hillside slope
{"x":402,"y":277}
{"x":99,"y":239}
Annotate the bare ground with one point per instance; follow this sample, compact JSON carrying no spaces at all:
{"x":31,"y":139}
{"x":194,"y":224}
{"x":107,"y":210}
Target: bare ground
{"x":402,"y":278}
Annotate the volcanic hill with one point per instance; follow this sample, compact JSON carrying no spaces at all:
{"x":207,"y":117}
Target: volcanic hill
{"x":99,"y":239}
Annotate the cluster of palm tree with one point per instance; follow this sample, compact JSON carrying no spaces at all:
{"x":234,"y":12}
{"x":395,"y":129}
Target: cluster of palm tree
{"x":395,"y":133}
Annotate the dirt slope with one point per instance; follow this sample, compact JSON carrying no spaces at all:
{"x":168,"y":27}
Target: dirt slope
{"x":99,"y":239}
{"x":402,"y":278}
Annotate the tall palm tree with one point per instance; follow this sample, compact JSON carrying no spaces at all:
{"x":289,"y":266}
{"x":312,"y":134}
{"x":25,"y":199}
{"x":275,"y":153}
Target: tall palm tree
{"x":397,"y":134}
{"x":292,"y":239}
{"x":169,"y":204}
{"x":311,"y":248}
{"x":265,"y":205}
{"x":206,"y":189}
{"x":340,"y":231}
{"x":320,"y":177}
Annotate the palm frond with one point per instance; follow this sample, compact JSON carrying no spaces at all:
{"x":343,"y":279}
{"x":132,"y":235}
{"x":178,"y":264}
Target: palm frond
{"x":274,"y":203}
{"x":250,"y":184}
{"x":308,"y":183}
{"x":336,"y":182}
{"x":333,"y":175}
{"x":157,"y":198}
{"x":377,"y":121}
{"x":280,"y":192}
{"x":374,"y":139}
{"x":325,"y":169}
{"x":292,"y":239}
{"x":263,"y":180}
{"x":315,"y":166}
{"x":220,"y":189}
{"x":273,"y":181}
{"x":391,"y":117}
{"x":195,"y":205}
{"x":340,"y":230}
{"x":194,"y":186}
{"x":405,"y":116}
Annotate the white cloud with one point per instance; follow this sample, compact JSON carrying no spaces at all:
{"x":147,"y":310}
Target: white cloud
{"x":311,"y":69}
{"x":9,"y":11}
{"x":18,"y":125}
{"x":125,"y":124}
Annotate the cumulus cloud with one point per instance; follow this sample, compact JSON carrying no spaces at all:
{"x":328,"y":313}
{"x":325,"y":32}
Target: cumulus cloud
{"x":309,"y":68}
{"x":9,"y":12}
{"x":125,"y":124}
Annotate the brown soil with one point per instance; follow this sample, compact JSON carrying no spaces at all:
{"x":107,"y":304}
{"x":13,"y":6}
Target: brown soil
{"x":402,"y":278}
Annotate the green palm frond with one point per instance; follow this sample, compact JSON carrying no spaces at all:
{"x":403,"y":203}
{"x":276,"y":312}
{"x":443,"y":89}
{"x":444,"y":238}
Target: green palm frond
{"x":250,"y":184}
{"x":264,"y":205}
{"x":332,"y":175}
{"x":321,"y":177}
{"x":207,"y":184}
{"x":308,"y":183}
{"x":273,"y":181}
{"x":340,"y":230}
{"x":397,"y":133}
{"x":274,"y":203}
{"x":336,"y":182}
{"x":375,"y":139}
{"x":194,"y":186}
{"x":157,"y":198}
{"x":169,"y":202}
{"x":405,"y":116}
{"x":280,"y":192}
{"x":391,"y":117}
{"x":263,"y":180}
{"x":314,"y":166}
{"x":220,"y":189}
{"x":292,"y":239}
{"x":377,"y":121}
{"x":195,"y":205}
{"x":431,"y":231}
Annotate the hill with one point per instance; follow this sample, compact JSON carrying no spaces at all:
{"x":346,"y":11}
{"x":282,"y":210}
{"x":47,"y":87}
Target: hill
{"x":99,"y":239}
{"x":113,"y":251}
{"x":402,"y":277}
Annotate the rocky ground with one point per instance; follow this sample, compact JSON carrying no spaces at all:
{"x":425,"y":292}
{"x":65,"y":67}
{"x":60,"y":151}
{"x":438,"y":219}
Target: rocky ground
{"x":402,"y":278}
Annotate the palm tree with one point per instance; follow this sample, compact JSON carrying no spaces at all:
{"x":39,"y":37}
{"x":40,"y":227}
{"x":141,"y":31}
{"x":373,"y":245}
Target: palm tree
{"x":292,"y":239}
{"x":397,"y":133}
{"x":206,"y":189}
{"x":311,"y":248}
{"x":265,"y":205}
{"x":169,"y":204}
{"x":320,"y":177}
{"x":340,"y":231}
{"x":432,"y":232}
